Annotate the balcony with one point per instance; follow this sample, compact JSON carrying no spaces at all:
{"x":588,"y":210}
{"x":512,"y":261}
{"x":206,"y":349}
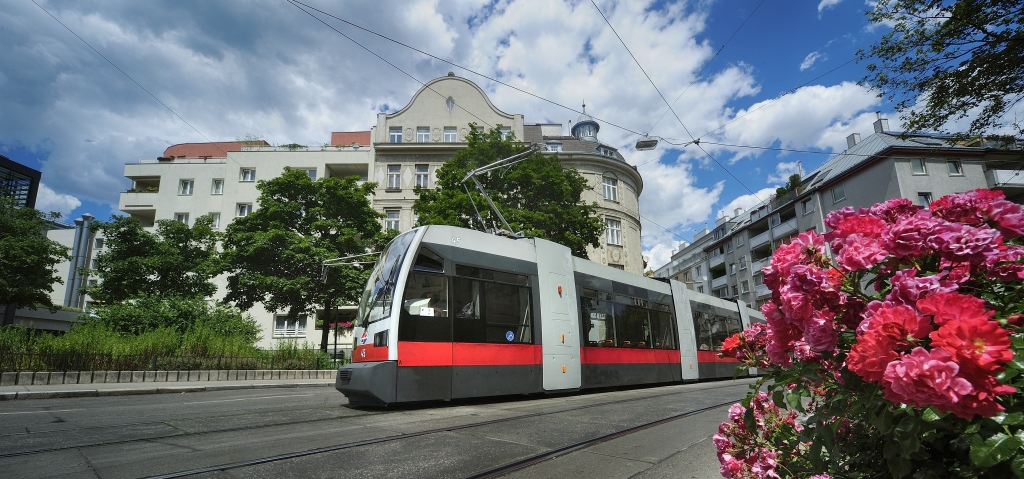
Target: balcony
{"x":1010,"y":181}
{"x":784,"y":228}
{"x":756,"y":266}
{"x":717,"y":260}
{"x":719,"y":282}
{"x":761,"y":291}
{"x":760,"y":239}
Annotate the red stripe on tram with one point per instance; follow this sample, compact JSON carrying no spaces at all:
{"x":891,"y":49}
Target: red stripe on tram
{"x":417,"y":353}
{"x":612,"y":355}
{"x":368,"y":352}
{"x":712,"y":357}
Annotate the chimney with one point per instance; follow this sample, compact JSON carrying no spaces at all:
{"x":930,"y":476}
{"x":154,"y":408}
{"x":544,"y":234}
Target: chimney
{"x":737,"y":212}
{"x":853,"y":139}
{"x":881,"y":124}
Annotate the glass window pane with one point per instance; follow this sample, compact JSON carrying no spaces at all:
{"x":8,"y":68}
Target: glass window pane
{"x":598,"y":320}
{"x":425,"y":315}
{"x":632,"y":329}
{"x":487,"y":312}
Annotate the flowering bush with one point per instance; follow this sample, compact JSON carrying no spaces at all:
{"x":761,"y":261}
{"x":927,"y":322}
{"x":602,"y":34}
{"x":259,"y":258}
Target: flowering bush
{"x":902,"y":352}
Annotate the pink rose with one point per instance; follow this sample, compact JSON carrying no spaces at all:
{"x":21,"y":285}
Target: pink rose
{"x":860,"y":252}
{"x":925,"y":378}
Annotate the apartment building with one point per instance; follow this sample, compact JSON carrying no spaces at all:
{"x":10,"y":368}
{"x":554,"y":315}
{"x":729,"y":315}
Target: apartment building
{"x":882,"y":166}
{"x":403,"y":150}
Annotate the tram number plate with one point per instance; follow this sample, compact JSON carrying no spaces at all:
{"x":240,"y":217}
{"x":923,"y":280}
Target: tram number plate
{"x":457,"y":241}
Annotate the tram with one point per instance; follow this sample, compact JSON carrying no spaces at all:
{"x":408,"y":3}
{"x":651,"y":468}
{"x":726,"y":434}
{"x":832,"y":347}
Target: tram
{"x":454,"y":313}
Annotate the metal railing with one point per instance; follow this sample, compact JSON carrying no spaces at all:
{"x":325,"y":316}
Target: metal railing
{"x":24,"y":362}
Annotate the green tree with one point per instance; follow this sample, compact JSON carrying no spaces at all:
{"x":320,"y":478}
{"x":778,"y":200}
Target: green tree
{"x":537,"y":195}
{"x":275,"y":255}
{"x":27,"y":257}
{"x":173,"y":261}
{"x":942,"y":59}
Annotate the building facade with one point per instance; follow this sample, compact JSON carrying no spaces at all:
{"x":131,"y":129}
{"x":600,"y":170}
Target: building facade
{"x":404,"y":149}
{"x":726,"y":262}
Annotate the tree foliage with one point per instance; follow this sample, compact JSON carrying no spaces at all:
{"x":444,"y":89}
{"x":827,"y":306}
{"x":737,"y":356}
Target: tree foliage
{"x":27,"y":257}
{"x":174,"y":261}
{"x":275,"y":255}
{"x":149,"y":313}
{"x":943,"y":59}
{"x":537,"y":196}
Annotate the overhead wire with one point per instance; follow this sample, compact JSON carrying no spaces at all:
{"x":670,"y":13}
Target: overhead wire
{"x":696,"y":141}
{"x":701,"y":71}
{"x":297,"y":4}
{"x":132,"y":79}
{"x":449,"y":62}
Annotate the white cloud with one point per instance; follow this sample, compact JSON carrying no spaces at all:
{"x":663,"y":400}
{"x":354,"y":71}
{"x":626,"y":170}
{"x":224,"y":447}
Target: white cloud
{"x":783,"y":171}
{"x":672,"y":200}
{"x":810,"y":59}
{"x":48,"y":200}
{"x":827,"y":4}
{"x":745,"y":202}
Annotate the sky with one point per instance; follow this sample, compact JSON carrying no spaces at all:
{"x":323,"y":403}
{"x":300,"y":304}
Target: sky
{"x":752,"y":74}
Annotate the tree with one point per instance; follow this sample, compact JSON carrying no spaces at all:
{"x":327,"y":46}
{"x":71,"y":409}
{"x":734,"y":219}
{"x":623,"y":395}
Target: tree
{"x":942,"y":59}
{"x":538,"y":195}
{"x":275,"y":255}
{"x":174,"y":261}
{"x":28,"y":258}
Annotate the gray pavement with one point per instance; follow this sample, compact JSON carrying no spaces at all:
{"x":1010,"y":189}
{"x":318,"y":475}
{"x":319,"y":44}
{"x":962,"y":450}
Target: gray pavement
{"x":50,"y":391}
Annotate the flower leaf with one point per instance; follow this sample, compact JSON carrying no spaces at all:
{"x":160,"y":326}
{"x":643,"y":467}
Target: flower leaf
{"x":997,"y":448}
{"x":931,"y":415}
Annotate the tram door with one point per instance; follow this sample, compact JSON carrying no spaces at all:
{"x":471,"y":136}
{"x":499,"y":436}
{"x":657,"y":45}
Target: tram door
{"x":559,"y":317}
{"x":684,"y":324}
{"x":425,"y":332}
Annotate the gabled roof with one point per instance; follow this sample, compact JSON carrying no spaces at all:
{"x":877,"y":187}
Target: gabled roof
{"x":346,"y":138}
{"x":215,"y":149}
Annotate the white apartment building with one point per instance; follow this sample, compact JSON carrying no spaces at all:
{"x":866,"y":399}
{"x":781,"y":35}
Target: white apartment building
{"x":726,"y":261}
{"x":402,"y":150}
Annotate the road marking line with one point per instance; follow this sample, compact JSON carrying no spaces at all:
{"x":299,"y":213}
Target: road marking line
{"x":246,"y":399}
{"x":37,"y":412}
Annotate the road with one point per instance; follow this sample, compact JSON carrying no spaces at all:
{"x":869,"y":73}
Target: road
{"x":312,"y":432}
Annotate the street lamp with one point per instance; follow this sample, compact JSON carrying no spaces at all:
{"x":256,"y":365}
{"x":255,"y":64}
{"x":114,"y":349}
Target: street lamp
{"x":646,"y":143}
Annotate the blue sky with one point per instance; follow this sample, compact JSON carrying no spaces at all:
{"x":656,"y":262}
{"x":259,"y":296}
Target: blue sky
{"x":268,"y":69}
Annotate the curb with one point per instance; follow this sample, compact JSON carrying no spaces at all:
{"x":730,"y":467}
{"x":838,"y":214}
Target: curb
{"x":80,"y":393}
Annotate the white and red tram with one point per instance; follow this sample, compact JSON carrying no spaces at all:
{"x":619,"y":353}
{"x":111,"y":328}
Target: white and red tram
{"x":454,"y":313}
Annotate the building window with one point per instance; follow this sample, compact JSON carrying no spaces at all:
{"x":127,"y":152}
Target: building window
{"x":758,"y":278}
{"x":311,"y":172}
{"x":745,"y":286}
{"x":808,"y":205}
{"x":611,"y":189}
{"x":735,"y":291}
{"x":553,"y":146}
{"x":216,"y":220}
{"x":94,"y":282}
{"x":423,"y":176}
{"x":955,"y":168}
{"x":839,"y":193}
{"x":98,"y":243}
{"x":924,"y":198}
{"x":243,"y":210}
{"x":729,"y":246}
{"x":696,"y":272}
{"x":732,"y":268}
{"x":391,"y":222}
{"x":93,"y":265}
{"x":395,"y":135}
{"x":700,"y":289}
{"x":289,"y":328}
{"x":743,"y":262}
{"x":185,"y":187}
{"x":614,"y":231}
{"x":248,"y":174}
{"x":739,"y":239}
{"x":181,"y":217}
{"x":450,"y":135}
{"x":218,"y":187}
{"x":917,"y":165}
{"x":394,"y":177}
{"x":422,"y":134}
{"x":618,"y":266}
{"x":506,"y":132}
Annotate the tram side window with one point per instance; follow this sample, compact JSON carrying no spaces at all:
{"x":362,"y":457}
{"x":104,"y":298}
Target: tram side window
{"x":425,"y":315}
{"x":491,"y":312}
{"x":632,"y":327}
{"x":598,"y":320}
{"x":664,"y":333}
{"x":712,"y":328}
{"x":429,"y":261}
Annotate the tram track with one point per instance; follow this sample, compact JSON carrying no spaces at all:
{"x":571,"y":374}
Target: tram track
{"x":255,"y":428}
{"x":494,"y":472}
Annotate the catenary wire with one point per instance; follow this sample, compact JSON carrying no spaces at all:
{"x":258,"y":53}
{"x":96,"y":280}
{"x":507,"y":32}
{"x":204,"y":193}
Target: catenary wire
{"x":462,"y":67}
{"x":297,"y":4}
{"x":696,"y":141}
{"x":130,"y":78}
{"x":701,"y":71}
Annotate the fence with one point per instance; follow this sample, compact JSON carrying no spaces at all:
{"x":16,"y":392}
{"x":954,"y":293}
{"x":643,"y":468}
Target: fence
{"x":22,"y":362}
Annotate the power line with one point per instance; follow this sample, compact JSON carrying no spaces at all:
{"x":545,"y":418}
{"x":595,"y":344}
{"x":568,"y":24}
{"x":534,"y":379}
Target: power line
{"x":697,"y":76}
{"x":456,"y":65}
{"x":417,"y":80}
{"x":132,"y":79}
{"x":695,"y":140}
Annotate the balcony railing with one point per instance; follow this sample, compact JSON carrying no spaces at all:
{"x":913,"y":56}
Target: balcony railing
{"x":760,"y":239}
{"x":756,"y":266}
{"x":719,"y":281}
{"x":761,"y":291}
{"x":717,"y":260}
{"x":784,"y":229}
{"x":1004,"y":178}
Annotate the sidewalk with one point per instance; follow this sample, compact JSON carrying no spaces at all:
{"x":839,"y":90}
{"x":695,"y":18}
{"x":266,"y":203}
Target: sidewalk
{"x":49,"y":391}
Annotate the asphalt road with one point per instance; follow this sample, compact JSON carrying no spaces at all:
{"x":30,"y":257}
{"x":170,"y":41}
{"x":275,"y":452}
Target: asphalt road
{"x":312,"y":432}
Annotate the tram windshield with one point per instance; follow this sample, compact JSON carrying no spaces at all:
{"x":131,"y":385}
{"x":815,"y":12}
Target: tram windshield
{"x":380,"y":288}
